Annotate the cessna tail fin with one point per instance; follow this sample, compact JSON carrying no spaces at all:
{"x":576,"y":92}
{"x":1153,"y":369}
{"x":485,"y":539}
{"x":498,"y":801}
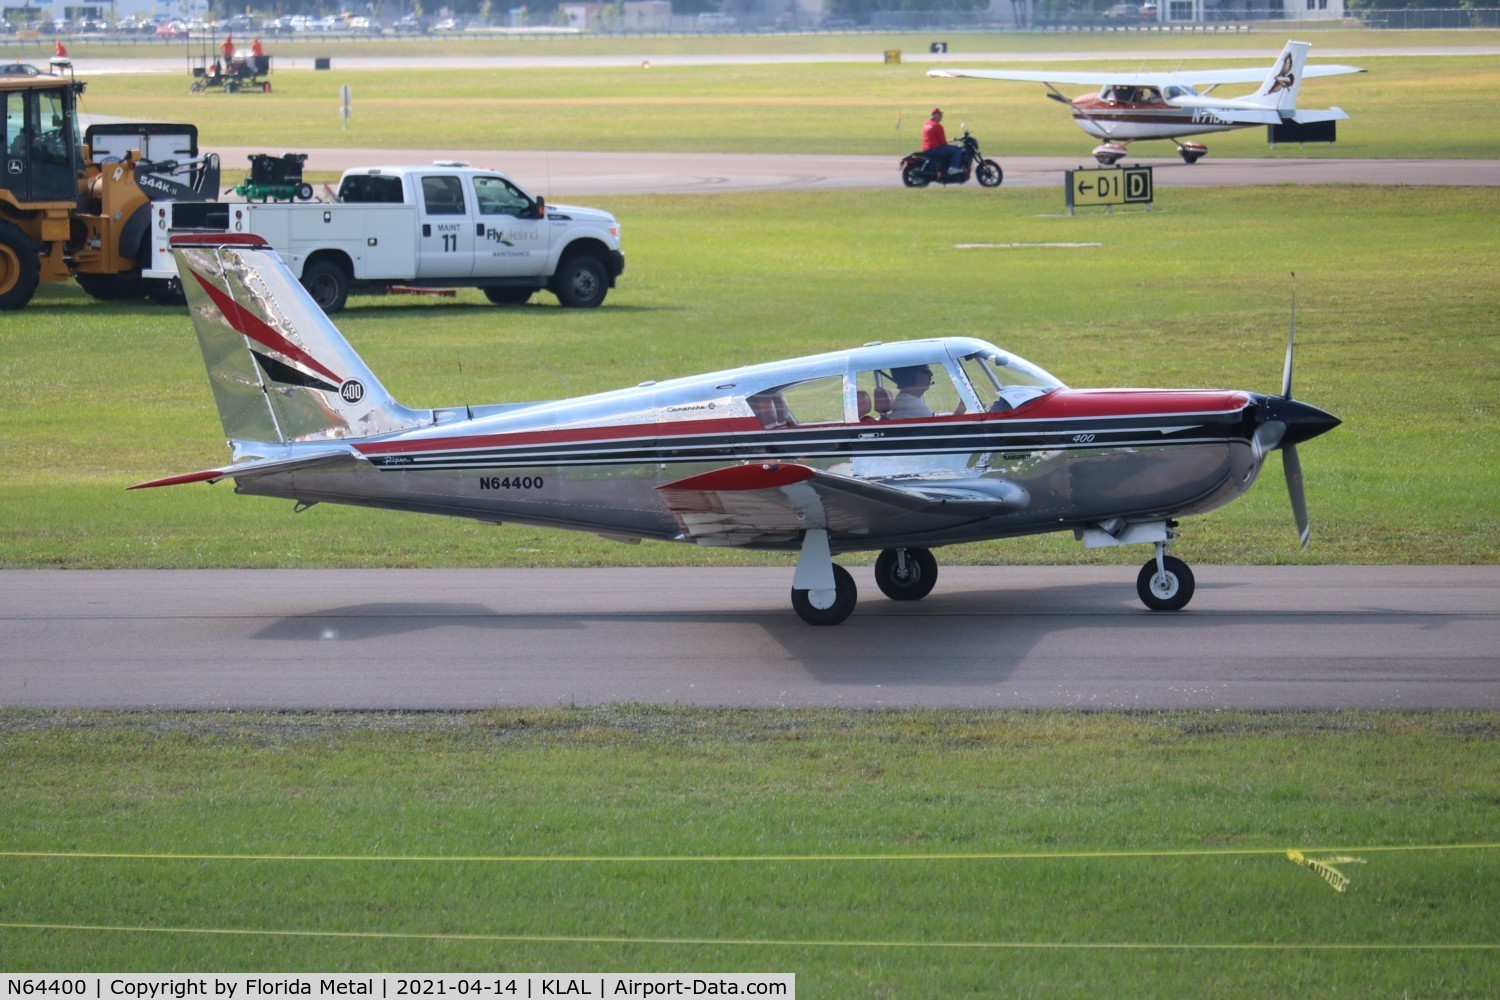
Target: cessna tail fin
{"x":281,"y":372}
{"x":1279,"y":90}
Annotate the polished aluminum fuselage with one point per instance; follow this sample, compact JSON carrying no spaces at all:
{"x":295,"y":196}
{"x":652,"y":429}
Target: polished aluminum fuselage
{"x":598,"y":463}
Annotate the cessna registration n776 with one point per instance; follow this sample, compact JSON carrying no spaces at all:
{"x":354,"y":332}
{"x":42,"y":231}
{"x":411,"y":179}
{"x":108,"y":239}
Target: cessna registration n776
{"x":1135,"y":106}
{"x":892,"y":447}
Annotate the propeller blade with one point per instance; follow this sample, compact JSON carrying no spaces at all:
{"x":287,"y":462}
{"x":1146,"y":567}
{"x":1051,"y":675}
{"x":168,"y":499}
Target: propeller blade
{"x":1267,"y":436}
{"x":1293,"y":469}
{"x":1291,"y":337}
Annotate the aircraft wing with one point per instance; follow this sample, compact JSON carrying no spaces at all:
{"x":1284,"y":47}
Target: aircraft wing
{"x":1247,"y":74}
{"x":1239,"y":115}
{"x":259,"y":467}
{"x":768,"y":502}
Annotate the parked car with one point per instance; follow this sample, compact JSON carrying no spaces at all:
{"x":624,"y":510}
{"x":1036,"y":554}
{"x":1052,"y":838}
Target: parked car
{"x":714,"y":21}
{"x":1123,"y":11}
{"x":1148,"y":12}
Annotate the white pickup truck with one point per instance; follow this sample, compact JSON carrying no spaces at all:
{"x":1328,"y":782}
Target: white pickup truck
{"x":440,"y":226}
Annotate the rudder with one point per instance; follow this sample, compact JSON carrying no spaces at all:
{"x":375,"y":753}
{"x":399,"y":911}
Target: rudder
{"x":280,"y":370}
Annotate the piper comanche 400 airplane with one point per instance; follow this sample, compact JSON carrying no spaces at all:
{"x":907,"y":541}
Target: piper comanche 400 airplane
{"x":1133,"y":106}
{"x":891,"y":447}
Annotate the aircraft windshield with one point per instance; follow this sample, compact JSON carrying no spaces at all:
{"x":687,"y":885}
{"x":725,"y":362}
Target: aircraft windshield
{"x":1003,"y":381}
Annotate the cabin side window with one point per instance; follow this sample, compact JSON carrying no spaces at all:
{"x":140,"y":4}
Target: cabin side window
{"x":443,"y":195}
{"x":496,"y":196}
{"x":905,"y":391}
{"x":816,"y":401}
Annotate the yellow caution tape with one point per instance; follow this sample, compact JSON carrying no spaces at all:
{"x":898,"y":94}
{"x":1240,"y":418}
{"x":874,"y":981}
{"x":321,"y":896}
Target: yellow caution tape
{"x":1324,"y":867}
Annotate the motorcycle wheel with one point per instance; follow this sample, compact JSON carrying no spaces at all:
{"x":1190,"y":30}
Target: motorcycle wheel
{"x":989,"y":173}
{"x":912,"y":176}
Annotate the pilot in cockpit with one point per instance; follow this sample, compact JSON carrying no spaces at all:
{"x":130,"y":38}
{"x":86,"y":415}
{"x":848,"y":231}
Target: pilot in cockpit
{"x":913,"y":381}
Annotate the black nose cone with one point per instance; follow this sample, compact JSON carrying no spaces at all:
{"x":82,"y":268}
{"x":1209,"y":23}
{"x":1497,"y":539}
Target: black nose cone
{"x":1303,"y":422}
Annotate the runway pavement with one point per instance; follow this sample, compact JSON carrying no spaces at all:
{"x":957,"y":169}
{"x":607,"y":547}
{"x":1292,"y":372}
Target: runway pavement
{"x":1319,"y":637}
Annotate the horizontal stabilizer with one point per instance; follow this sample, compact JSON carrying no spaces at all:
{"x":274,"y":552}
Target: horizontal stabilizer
{"x":259,"y":467}
{"x":770,"y":502}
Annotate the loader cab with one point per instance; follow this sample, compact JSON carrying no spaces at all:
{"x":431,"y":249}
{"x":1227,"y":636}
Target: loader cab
{"x":40,"y":141}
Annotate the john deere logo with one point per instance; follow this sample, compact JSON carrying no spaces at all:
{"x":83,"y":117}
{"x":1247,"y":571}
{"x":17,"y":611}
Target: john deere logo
{"x":352,"y":391}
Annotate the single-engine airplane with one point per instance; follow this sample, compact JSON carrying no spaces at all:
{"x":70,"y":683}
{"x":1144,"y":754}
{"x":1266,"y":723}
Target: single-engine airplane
{"x":1133,"y":106}
{"x":892,"y":447}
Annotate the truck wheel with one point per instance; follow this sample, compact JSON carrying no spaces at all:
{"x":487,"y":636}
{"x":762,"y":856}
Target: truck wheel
{"x":112,"y":287}
{"x":580,"y":282}
{"x":508,"y":296}
{"x":327,"y":283}
{"x":20,"y":267}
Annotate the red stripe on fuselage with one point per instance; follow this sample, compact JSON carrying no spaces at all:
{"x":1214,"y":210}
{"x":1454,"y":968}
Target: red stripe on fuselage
{"x":1096,"y":403}
{"x":1064,"y":404}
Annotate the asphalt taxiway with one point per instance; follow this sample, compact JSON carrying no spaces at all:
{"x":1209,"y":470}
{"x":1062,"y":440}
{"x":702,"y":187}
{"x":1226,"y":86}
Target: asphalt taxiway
{"x":1254,"y":638}
{"x":557,"y":174}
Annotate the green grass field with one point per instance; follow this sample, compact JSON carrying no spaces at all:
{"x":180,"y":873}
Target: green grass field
{"x":1004,"y":854}
{"x":902,"y":854}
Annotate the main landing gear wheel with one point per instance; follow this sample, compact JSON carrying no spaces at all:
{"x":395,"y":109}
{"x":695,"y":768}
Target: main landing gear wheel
{"x":906,"y":579}
{"x":845,"y":595}
{"x":1165,"y":591}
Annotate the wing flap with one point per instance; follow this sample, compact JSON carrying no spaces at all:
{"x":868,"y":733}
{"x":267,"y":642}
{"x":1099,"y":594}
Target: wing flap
{"x":775,"y":502}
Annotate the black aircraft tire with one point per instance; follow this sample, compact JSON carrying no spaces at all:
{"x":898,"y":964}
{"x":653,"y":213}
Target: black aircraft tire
{"x":918,"y":581}
{"x":847,"y":595}
{"x":20,"y":267}
{"x":989,"y":174}
{"x":580,"y":282}
{"x":328,"y":284}
{"x":1175,"y":589}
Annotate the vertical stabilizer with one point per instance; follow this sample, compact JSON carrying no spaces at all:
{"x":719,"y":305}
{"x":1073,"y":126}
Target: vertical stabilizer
{"x":1279,"y":91}
{"x":281,"y":372}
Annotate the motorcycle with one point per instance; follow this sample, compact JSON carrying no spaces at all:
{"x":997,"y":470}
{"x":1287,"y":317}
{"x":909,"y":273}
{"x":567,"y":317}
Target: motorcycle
{"x":918,"y":169}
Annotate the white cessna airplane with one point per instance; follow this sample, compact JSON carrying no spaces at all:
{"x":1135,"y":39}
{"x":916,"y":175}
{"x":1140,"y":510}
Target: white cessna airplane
{"x":1131,"y":106}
